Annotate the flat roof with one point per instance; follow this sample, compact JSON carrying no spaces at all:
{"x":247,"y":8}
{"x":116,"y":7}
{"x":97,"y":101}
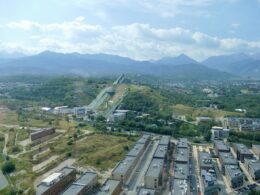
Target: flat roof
{"x":228,"y":158}
{"x":49,"y":181}
{"x":205,"y":159}
{"x":181,"y":171}
{"x":182,"y":143}
{"x":109,"y":187}
{"x":179,"y":187}
{"x":124,"y":165}
{"x":221,"y":145}
{"x":165,"y":140}
{"x":146,"y":191}
{"x":233,"y":171}
{"x":160,"y":151}
{"x":182,"y":155}
{"x":253,"y":164}
{"x":80,"y":183}
{"x":143,"y":139}
{"x":136,"y":150}
{"x":242,"y":148}
{"x":155,"y":168}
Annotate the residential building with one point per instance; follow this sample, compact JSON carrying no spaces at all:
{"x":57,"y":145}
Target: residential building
{"x":242,"y":152}
{"x":110,"y":187}
{"x":179,"y":186}
{"x":182,"y":155}
{"x":154,"y":175}
{"x":234,"y":176}
{"x":83,"y":185}
{"x":123,"y":170}
{"x":219,"y":133}
{"x":182,"y":143}
{"x":137,"y":150}
{"x":165,"y":140}
{"x":144,"y":139}
{"x":226,"y":158}
{"x":57,"y":182}
{"x":181,"y":171}
{"x":221,"y":146}
{"x":205,"y":161}
{"x":161,"y":152}
{"x":253,"y":167}
{"x":145,"y":191}
{"x":209,"y":183}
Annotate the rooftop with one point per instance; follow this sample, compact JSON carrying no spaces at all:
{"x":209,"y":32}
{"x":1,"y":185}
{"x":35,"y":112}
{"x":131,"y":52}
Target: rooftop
{"x":242,"y":148}
{"x":181,"y":171}
{"x":179,"y":186}
{"x":124,"y":165}
{"x":221,"y":145}
{"x":80,"y":183}
{"x":164,"y":140}
{"x":136,"y":150}
{"x":228,"y":158}
{"x":182,"y":143}
{"x":146,"y":191}
{"x":205,"y":159}
{"x":108,"y":187}
{"x":182,"y":155}
{"x":257,"y":146}
{"x":233,"y":171}
{"x":155,"y":168}
{"x":160,"y":152}
{"x":143,"y":139}
{"x":52,"y":179}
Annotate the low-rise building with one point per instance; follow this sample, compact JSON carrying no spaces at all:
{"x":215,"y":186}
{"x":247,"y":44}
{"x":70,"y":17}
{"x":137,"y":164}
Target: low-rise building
{"x":165,"y":140}
{"x":55,"y":183}
{"x":144,"y":139}
{"x":219,"y":133}
{"x":256,"y":150}
{"x":179,"y":187}
{"x":182,"y":155}
{"x":242,"y":152}
{"x":145,"y":191}
{"x":253,"y":167}
{"x":221,"y":146}
{"x":181,"y":171}
{"x":110,"y":187}
{"x":154,"y":175}
{"x":40,"y":133}
{"x":182,"y":143}
{"x":83,"y":185}
{"x":205,"y":161}
{"x":226,"y":158}
{"x":123,"y":170}
{"x":161,"y":152}
{"x":209,"y":183}
{"x":234,"y":176}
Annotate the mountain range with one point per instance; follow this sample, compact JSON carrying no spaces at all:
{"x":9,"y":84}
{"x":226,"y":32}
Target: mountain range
{"x":176,"y":68}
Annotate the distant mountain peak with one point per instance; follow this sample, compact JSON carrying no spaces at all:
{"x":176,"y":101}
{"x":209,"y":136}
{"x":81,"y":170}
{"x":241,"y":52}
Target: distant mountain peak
{"x":177,"y":60}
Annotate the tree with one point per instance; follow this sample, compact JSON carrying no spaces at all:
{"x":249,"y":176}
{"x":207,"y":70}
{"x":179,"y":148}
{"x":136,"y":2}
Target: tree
{"x":8,"y":167}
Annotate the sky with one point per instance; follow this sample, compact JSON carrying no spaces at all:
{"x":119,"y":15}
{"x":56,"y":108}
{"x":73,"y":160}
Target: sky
{"x":139,"y":29}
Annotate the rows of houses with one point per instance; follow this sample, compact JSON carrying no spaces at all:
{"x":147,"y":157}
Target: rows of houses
{"x":242,"y":123}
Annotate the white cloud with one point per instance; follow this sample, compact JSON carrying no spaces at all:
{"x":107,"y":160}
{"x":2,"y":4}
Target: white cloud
{"x":139,"y":41}
{"x":235,"y":25}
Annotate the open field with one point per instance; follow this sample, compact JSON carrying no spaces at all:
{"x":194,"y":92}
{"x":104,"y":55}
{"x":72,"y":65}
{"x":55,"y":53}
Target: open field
{"x":181,"y":109}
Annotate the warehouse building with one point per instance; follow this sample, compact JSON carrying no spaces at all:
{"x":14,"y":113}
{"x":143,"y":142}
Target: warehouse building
{"x":83,"y":185}
{"x":205,"y":161}
{"x":165,"y":140}
{"x":226,"y":159}
{"x":221,"y":146}
{"x":182,"y":143}
{"x":144,"y":139}
{"x":110,"y":187}
{"x":123,"y":170}
{"x":256,"y":150}
{"x":253,"y":167}
{"x":40,"y":133}
{"x":182,"y":155}
{"x":154,"y":175}
{"x":242,"y":152}
{"x":234,"y":176}
{"x":57,"y":182}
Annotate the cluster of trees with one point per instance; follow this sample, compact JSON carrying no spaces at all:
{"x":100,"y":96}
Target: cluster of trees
{"x":247,"y":138}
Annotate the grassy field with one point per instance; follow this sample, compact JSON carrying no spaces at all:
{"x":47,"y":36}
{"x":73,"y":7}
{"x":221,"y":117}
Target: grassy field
{"x":188,"y":111}
{"x":9,"y":118}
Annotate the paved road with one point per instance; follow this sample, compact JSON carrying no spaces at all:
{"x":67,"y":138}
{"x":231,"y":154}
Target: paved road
{"x":193,"y":181}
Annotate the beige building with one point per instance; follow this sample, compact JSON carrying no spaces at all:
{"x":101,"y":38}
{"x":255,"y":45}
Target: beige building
{"x":154,"y":175}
